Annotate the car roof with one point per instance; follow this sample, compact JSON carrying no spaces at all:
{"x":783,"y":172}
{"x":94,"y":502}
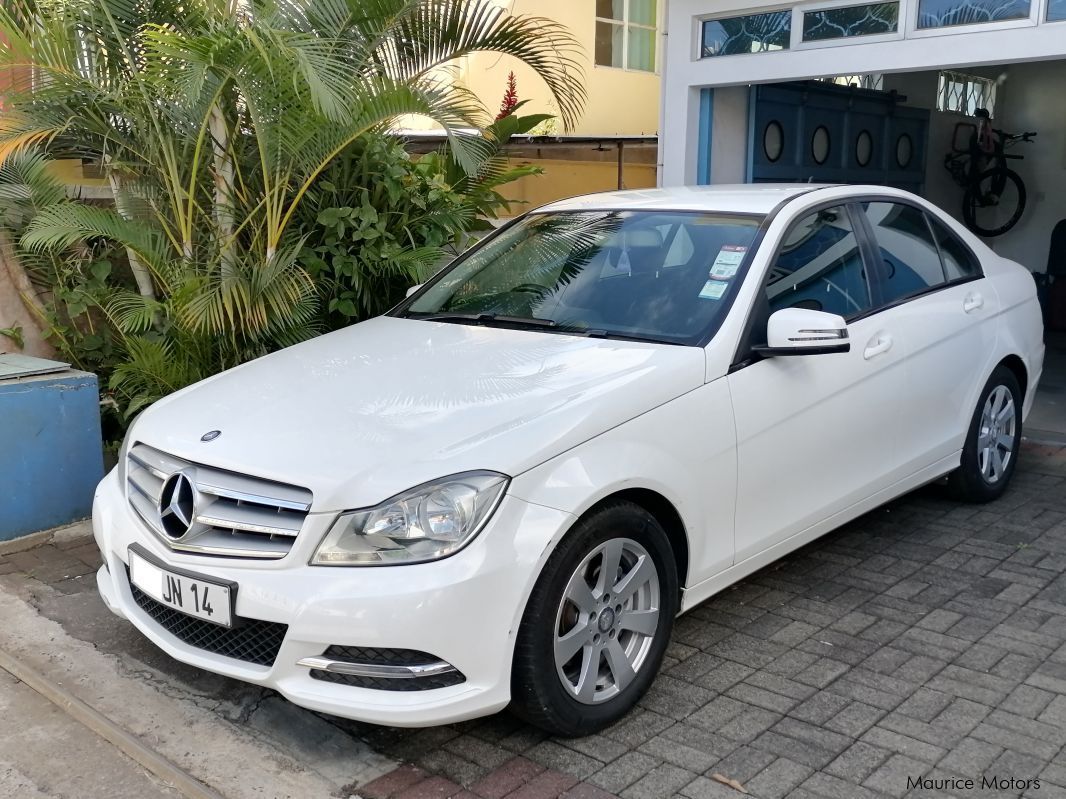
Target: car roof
{"x":744,"y":198}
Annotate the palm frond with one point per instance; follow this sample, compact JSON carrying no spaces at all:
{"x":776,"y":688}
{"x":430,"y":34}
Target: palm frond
{"x":65,"y":224}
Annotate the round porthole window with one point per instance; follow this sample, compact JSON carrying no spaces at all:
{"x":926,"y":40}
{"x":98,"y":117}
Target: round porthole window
{"x":864,"y":148}
{"x":820,"y":144}
{"x":904,"y":151}
{"x":773,"y":140}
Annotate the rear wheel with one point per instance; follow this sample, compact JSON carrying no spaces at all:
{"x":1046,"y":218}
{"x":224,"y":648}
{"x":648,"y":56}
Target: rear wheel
{"x":990,"y":453}
{"x":597,"y":623}
{"x":994,"y":202}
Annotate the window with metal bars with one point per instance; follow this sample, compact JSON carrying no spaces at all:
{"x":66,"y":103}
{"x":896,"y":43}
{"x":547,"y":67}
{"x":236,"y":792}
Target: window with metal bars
{"x":963,"y":94}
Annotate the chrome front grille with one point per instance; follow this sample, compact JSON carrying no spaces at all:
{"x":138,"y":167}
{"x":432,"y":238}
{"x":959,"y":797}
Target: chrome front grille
{"x":231,"y":515}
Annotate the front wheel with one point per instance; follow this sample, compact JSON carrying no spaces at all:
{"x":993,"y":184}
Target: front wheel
{"x":990,"y":453}
{"x":597,"y":623}
{"x":994,"y":202}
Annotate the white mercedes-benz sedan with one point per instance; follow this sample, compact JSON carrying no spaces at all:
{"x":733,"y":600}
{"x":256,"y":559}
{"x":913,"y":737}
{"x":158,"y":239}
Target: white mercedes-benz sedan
{"x":504,"y":490}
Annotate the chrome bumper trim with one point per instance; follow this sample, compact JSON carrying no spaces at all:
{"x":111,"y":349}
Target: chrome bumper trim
{"x":377,"y":669}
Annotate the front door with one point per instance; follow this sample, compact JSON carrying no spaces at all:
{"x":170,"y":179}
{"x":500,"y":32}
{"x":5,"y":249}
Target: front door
{"x":816,"y":433}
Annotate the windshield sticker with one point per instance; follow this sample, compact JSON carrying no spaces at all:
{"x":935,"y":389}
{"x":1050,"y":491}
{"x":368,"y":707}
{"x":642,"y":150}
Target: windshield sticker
{"x":713,"y":290}
{"x":728,"y":261}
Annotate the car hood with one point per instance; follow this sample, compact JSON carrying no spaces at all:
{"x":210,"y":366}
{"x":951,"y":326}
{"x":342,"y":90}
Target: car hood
{"x":364,"y":413}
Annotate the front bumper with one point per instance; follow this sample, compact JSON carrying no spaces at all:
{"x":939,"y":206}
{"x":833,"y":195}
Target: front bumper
{"x":464,"y":609}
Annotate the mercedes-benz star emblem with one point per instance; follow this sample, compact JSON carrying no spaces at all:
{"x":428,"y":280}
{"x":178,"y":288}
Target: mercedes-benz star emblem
{"x":177,"y":505}
{"x":210,"y":435}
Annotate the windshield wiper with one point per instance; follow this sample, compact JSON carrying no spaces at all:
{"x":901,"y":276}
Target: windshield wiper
{"x":487,"y":319}
{"x":599,"y":332}
{"x":490,"y":319}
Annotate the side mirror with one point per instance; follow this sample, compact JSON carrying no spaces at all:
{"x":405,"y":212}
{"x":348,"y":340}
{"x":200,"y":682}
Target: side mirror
{"x":412,"y":290}
{"x":800,"y":331}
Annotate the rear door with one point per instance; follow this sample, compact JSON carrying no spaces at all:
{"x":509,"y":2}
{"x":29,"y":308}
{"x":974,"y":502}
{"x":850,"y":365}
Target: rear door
{"x":942,"y":311}
{"x":816,"y":433}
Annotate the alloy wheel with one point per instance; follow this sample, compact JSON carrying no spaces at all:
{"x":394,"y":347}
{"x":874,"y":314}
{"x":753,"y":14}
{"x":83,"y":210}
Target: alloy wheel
{"x":607,"y":620}
{"x":996,"y":434}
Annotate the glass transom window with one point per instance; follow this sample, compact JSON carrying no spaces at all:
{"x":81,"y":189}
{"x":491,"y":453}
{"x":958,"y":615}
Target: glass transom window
{"x":625,"y":34}
{"x":859,"y":20}
{"x":753,"y":33}
{"x":945,"y":13}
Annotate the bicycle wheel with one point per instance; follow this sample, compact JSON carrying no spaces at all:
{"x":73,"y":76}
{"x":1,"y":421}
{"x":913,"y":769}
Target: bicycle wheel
{"x":994,"y":202}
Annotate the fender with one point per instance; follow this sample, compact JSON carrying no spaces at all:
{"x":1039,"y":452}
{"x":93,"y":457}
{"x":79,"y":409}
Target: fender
{"x":684,"y":450}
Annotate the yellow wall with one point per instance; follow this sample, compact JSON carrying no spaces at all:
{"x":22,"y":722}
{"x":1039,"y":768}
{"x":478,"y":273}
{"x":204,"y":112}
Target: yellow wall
{"x":563,"y":179}
{"x":620,"y":102}
{"x":73,"y":173}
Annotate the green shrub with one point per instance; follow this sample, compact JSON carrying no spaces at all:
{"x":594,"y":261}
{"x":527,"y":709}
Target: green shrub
{"x":376,"y":223}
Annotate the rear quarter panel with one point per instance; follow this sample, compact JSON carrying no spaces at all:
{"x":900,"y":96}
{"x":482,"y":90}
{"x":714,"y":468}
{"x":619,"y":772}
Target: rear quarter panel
{"x":1021,"y":329}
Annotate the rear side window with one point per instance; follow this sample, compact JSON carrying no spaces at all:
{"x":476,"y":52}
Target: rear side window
{"x":819,"y":266}
{"x":959,"y":261}
{"x":908,"y":259}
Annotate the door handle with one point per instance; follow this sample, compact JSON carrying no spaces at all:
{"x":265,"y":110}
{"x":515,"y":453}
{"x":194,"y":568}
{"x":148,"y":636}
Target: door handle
{"x":972,"y":302}
{"x":880,"y":343}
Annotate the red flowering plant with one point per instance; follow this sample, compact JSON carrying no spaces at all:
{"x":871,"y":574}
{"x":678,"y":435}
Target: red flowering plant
{"x":510,"y":98}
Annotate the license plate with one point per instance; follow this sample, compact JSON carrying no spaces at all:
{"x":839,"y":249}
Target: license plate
{"x":183,"y":591}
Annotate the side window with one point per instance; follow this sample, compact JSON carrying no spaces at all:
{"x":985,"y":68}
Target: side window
{"x":819,"y":266}
{"x":909,"y":260}
{"x":959,"y":261}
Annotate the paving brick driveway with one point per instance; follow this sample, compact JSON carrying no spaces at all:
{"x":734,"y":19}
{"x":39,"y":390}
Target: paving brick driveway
{"x":927,"y":639}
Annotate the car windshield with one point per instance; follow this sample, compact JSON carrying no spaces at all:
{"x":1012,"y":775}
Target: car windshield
{"x":660,"y":276}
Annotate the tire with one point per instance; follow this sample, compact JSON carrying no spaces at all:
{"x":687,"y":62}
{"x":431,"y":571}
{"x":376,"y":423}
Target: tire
{"x":559,"y":696}
{"x":984,"y":472}
{"x":996,"y":179}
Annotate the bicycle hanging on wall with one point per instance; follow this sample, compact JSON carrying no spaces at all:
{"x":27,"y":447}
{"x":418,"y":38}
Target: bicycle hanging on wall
{"x":993,"y":195}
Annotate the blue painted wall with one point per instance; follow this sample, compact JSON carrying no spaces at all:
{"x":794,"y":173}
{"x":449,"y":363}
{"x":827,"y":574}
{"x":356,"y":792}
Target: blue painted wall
{"x":50,"y":451}
{"x":703,"y":160}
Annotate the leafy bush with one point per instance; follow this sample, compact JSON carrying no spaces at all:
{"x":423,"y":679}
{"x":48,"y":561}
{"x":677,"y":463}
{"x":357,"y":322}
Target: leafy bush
{"x":380,"y":221}
{"x":376,"y":223}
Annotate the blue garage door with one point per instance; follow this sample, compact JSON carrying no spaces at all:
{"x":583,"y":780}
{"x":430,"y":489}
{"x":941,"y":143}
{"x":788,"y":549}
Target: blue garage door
{"x":821,"y":133}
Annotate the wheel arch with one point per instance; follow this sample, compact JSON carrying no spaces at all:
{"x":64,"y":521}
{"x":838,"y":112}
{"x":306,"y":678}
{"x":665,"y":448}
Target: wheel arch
{"x":655,"y":503}
{"x":1017,"y":367}
{"x":665,"y":513}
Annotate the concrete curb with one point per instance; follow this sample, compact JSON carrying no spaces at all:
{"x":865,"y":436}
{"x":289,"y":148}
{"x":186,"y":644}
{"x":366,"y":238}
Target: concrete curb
{"x":58,"y":535}
{"x":130,"y":745}
{"x":232,"y":750}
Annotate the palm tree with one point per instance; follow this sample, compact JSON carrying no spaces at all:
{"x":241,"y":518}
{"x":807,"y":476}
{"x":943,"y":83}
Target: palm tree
{"x":213,"y":119}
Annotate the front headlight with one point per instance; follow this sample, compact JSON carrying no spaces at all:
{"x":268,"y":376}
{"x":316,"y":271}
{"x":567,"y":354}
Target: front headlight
{"x":428,"y":522}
